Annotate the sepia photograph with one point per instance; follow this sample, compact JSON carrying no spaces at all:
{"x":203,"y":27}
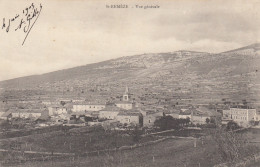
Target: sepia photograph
{"x":130,"y":83}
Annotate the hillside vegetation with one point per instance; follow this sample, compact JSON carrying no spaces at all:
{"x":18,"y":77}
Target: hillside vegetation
{"x":185,"y":74}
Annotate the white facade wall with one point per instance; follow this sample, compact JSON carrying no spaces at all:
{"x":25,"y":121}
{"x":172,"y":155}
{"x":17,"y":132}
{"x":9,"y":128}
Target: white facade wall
{"x":57,"y":110}
{"x":184,"y":116}
{"x":26,"y":115}
{"x":240,"y":116}
{"x":125,"y":106}
{"x":87,"y":107}
{"x":128,"y":119}
{"x":108,"y":114}
{"x":198,"y":119}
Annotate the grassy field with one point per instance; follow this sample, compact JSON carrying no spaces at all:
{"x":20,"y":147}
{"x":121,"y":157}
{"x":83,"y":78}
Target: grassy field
{"x":171,"y":152}
{"x":73,"y":141}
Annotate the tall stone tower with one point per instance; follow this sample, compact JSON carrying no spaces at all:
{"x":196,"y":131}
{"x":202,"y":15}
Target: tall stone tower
{"x":126,"y":94}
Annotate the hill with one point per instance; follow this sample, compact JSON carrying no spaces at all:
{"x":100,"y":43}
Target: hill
{"x":182,"y":74}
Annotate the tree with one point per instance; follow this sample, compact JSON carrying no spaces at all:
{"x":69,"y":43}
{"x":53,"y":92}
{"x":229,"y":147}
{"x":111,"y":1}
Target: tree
{"x":136,"y":134}
{"x":65,"y":129}
{"x":167,"y":122}
{"x":212,"y":121}
{"x":62,"y":103}
{"x":231,"y":125}
{"x":187,"y":120}
{"x":252,"y":122}
{"x":244,"y":102}
{"x":231,"y":146}
{"x":5,"y":125}
{"x":207,"y":120}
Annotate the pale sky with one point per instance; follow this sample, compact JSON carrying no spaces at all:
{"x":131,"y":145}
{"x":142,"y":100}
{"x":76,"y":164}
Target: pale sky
{"x":70,"y":33}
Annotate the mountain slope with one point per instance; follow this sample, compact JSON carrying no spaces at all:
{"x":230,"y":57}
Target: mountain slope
{"x":231,"y":74}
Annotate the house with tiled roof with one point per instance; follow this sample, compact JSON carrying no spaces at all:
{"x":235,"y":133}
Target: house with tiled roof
{"x":133,"y":117}
{"x":57,"y":110}
{"x":196,"y":115}
{"x":185,"y":114}
{"x":173,"y":112}
{"x":88,"y":106}
{"x":200,"y":118}
{"x":110,"y":112}
{"x":150,"y":117}
{"x":5,"y":115}
{"x":28,"y":113}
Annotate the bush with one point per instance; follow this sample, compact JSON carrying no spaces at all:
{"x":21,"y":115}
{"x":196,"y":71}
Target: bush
{"x":231,"y":146}
{"x":231,"y":125}
{"x":167,"y":122}
{"x":136,"y":134}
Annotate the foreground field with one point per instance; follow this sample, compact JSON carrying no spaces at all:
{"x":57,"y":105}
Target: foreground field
{"x":172,"y":152}
{"x":78,"y":140}
{"x":176,"y":152}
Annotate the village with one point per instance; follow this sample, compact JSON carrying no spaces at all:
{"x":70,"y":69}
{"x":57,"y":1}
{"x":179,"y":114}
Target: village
{"x":120,"y":114}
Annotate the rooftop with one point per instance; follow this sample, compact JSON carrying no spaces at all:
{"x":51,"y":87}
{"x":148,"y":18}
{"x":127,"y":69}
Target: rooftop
{"x":5,"y":114}
{"x":124,"y":102}
{"x":89,"y":103}
{"x":112,"y":108}
{"x":29,"y":111}
{"x":130,"y":114}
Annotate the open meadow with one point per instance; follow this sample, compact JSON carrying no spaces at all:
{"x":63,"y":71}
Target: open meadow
{"x":170,"y":152}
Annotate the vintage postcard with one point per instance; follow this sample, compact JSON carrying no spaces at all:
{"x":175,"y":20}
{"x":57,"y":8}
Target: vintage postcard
{"x":130,"y":83}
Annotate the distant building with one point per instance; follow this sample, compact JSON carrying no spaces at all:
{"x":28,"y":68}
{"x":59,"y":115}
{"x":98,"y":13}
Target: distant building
{"x":57,"y":110}
{"x":29,"y":113}
{"x":197,"y":115}
{"x":46,"y":102}
{"x":173,"y":113}
{"x":200,"y":118}
{"x":240,"y":115}
{"x":150,"y":117}
{"x":49,"y":102}
{"x":125,"y":105}
{"x":110,"y":112}
{"x":130,"y":118}
{"x":78,"y":100}
{"x":88,"y":107}
{"x":61,"y":117}
{"x":185,"y":114}
{"x":6,"y":115}
{"x":27,"y":101}
{"x":66,"y":100}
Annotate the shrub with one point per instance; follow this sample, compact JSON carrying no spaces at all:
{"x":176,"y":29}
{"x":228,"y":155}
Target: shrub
{"x":231,"y":125}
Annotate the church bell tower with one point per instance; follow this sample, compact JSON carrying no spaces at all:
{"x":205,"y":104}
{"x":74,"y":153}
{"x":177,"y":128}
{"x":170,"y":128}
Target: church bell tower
{"x":126,"y":94}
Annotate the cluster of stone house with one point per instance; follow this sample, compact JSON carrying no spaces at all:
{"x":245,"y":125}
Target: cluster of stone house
{"x":127,"y":112}
{"x":24,"y":113}
{"x":123,"y":111}
{"x":195,"y":115}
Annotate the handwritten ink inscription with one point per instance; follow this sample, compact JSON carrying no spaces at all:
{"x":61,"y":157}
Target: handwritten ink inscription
{"x":23,"y":21}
